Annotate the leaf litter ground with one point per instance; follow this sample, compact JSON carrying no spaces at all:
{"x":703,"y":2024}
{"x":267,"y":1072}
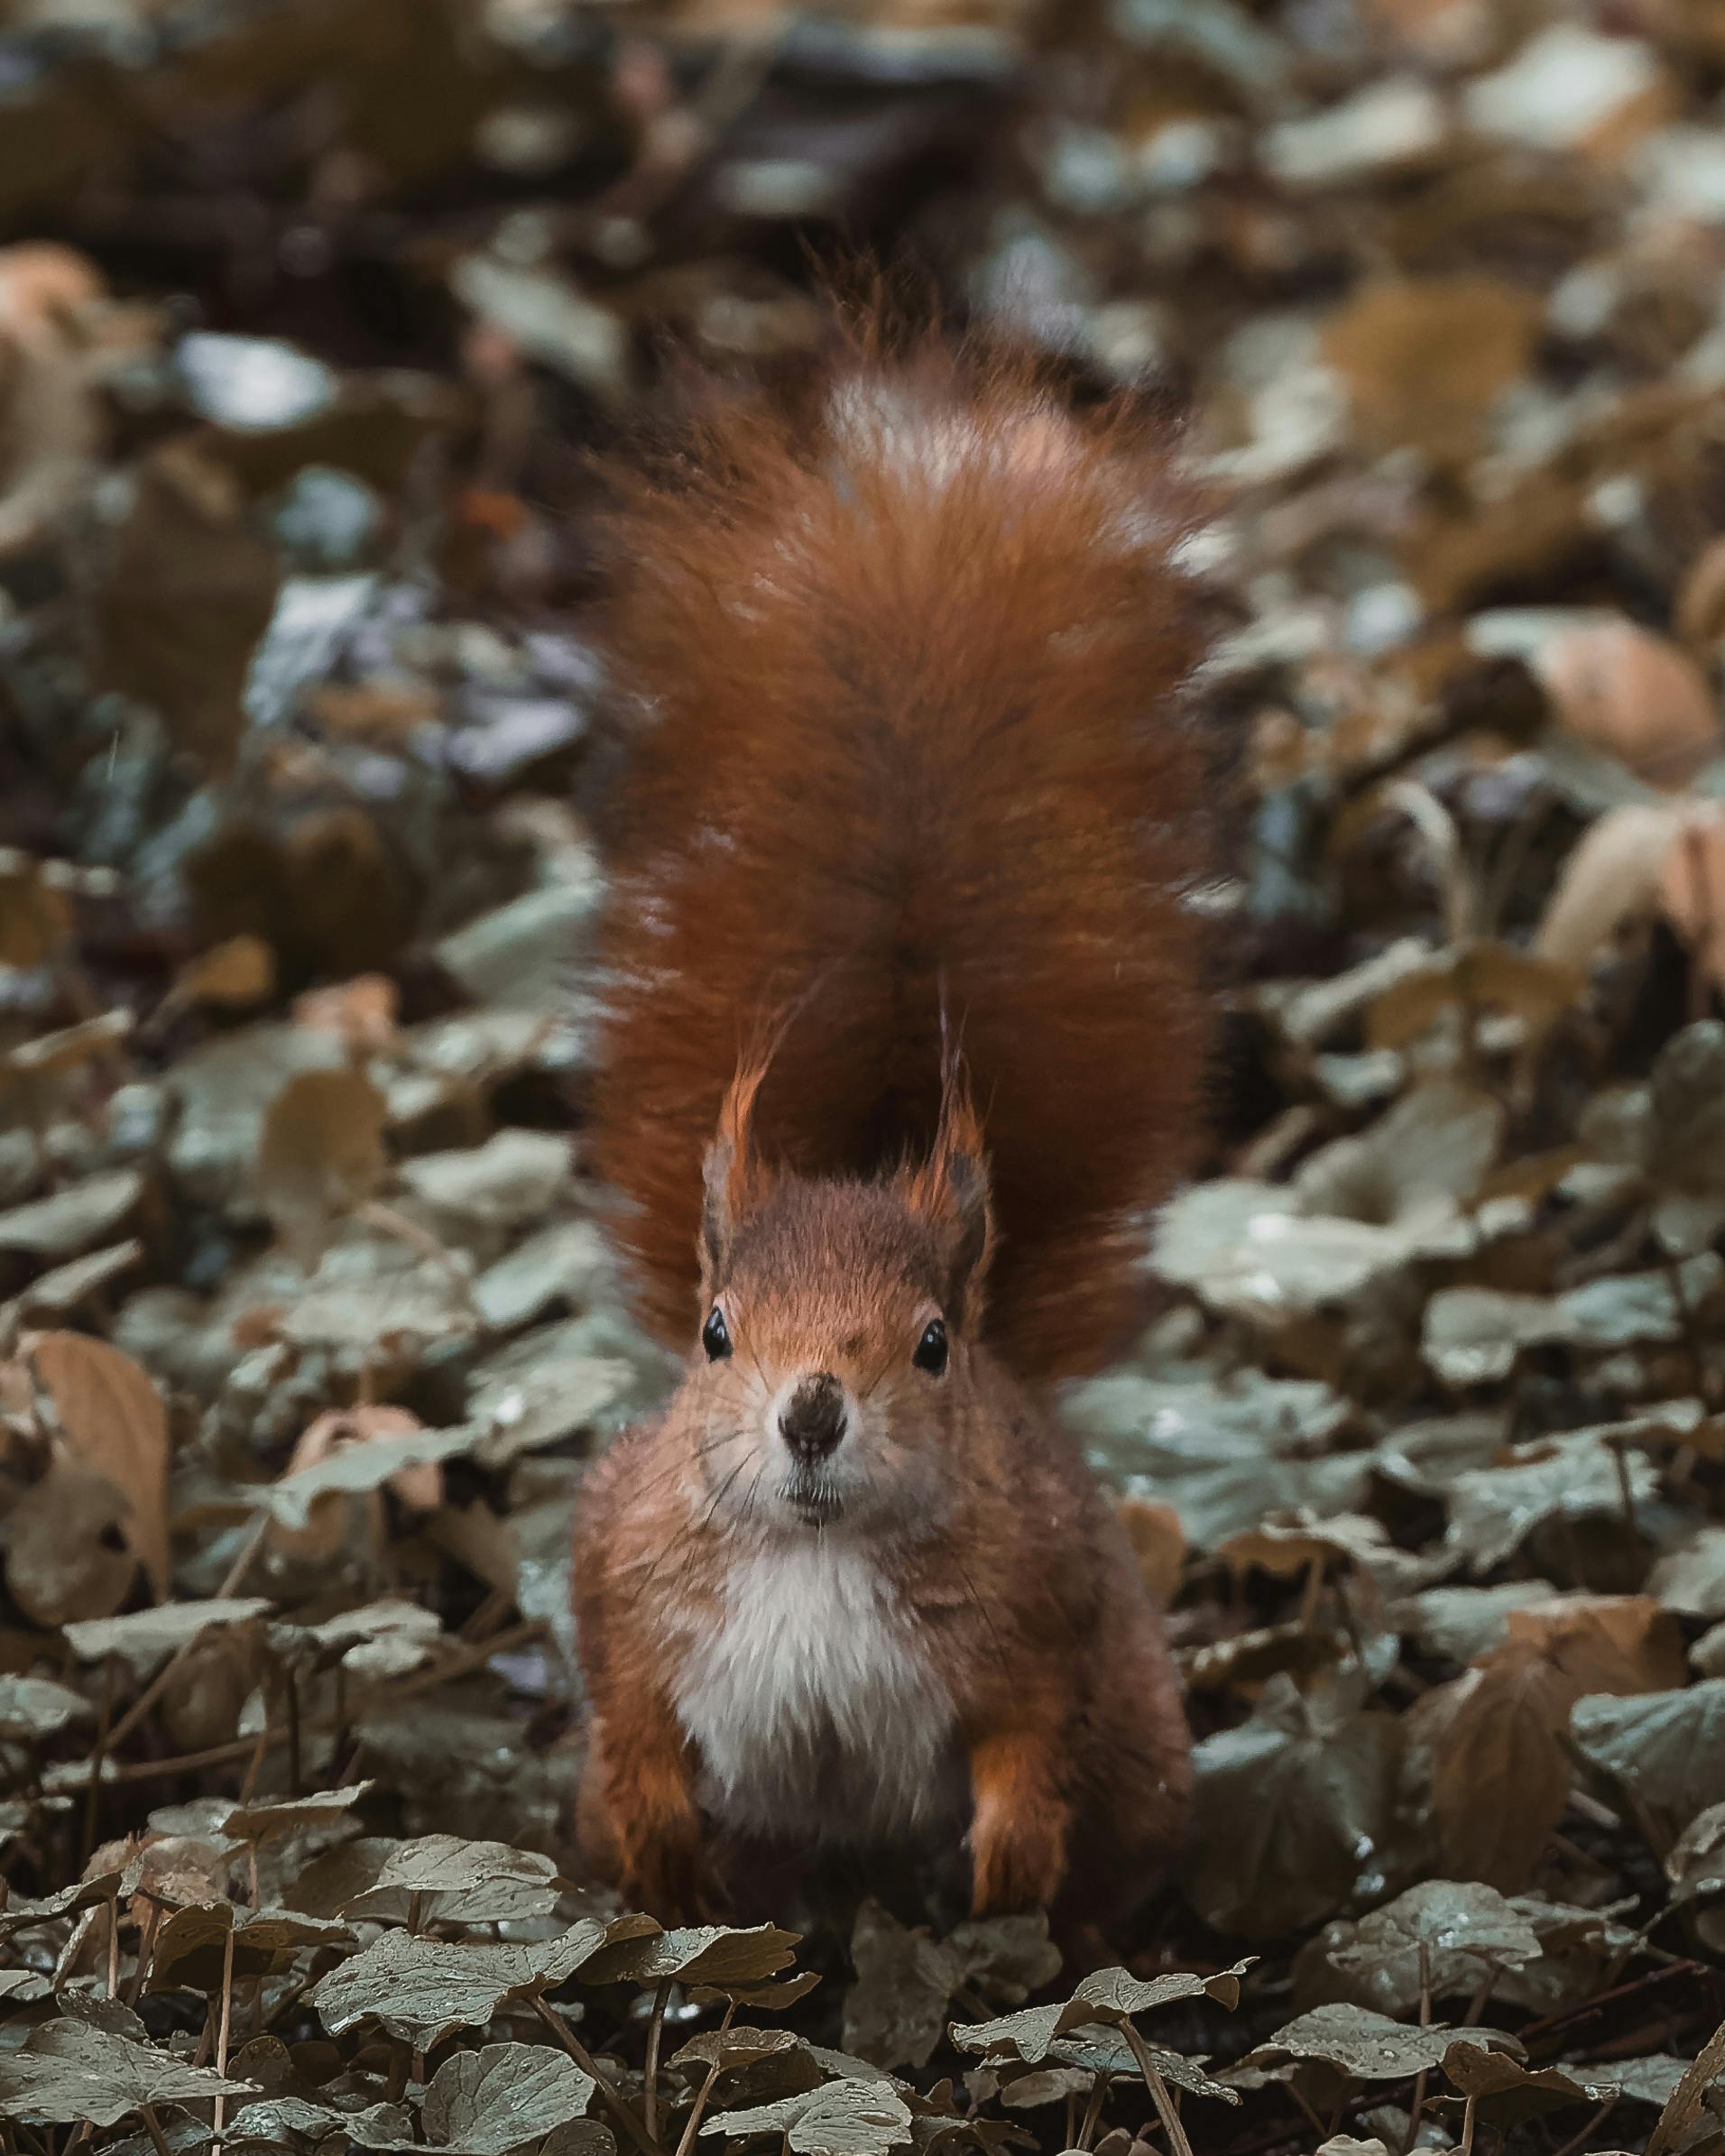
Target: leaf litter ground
{"x":305,"y":1316}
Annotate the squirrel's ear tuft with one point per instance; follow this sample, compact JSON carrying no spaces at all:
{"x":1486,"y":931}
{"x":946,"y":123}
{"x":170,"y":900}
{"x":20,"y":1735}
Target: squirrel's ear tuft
{"x":735,"y":1180}
{"x":949,"y":1191}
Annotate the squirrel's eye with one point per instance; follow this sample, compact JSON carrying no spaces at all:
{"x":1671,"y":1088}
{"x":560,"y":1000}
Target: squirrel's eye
{"x":931,"y":1348}
{"x":714,"y":1337}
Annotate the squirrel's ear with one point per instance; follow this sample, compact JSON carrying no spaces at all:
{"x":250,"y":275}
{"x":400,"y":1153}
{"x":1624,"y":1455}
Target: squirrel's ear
{"x":950,"y":1192}
{"x":736,"y":1182}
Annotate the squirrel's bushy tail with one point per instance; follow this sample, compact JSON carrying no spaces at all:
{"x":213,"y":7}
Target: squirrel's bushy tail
{"x":902,"y":663}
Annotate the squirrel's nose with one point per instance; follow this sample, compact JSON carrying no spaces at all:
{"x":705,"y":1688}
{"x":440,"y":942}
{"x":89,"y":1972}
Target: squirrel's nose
{"x":812,"y":1421}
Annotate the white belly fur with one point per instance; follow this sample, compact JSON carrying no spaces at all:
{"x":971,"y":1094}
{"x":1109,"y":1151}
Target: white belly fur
{"x":812,"y":1705}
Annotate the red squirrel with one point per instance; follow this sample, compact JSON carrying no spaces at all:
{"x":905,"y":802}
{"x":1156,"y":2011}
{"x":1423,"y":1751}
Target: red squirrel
{"x":905,"y":657}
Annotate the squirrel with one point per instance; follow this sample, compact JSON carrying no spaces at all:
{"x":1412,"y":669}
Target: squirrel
{"x":901,"y":1038}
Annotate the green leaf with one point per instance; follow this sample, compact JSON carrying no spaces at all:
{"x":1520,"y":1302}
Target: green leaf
{"x":462,"y":1882}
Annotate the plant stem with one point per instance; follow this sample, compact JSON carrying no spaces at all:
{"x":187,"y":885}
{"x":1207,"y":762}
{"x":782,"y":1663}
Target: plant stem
{"x":1159,"y":2089}
{"x":655,"y":2038}
{"x":589,"y":2066}
{"x":692,"y":2125}
{"x":1093,"y":2112}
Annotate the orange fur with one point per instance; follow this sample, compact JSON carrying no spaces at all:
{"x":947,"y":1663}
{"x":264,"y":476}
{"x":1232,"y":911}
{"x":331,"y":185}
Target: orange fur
{"x":903,"y":660}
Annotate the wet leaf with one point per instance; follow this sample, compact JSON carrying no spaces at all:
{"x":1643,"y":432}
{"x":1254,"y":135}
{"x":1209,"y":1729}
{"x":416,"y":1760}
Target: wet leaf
{"x":1299,"y":1804}
{"x":487,"y":2102}
{"x":1579,"y":1476}
{"x":845,"y":2118}
{"x":192,"y":1945}
{"x":466,"y":1882}
{"x":714,"y":1955}
{"x":68,"y":2071}
{"x":1667,"y":1746}
{"x":1507,"y":2092}
{"x":1108,"y":1999}
{"x":1445,"y":1935}
{"x":418,"y":1989}
{"x":1363,"y":2045}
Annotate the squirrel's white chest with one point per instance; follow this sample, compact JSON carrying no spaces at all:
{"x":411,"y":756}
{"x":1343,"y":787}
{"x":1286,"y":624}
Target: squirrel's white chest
{"x":813,"y":1705}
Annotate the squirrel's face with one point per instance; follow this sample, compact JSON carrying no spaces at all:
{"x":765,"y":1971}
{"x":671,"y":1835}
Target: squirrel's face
{"x":831,"y":1364}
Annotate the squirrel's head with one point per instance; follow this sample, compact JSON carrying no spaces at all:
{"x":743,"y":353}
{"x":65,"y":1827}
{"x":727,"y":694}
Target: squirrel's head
{"x":836,"y":1324}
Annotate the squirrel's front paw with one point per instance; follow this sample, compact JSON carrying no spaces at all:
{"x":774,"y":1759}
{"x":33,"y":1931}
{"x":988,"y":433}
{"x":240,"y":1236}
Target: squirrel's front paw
{"x":1017,"y":1862}
{"x":668,"y":1875}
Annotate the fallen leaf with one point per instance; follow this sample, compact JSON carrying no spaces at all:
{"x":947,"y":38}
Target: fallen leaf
{"x":321,"y":1153}
{"x":1629,"y":692}
{"x":115,"y":1425}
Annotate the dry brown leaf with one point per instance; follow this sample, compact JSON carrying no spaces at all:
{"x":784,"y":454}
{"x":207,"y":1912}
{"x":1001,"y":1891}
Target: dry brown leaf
{"x":321,"y":1154}
{"x":1613,"y":876}
{"x":35,"y":920}
{"x":189,"y":591}
{"x":1692,"y":887}
{"x":115,"y":1425}
{"x":385,"y":714}
{"x":230,"y":975}
{"x":1423,"y":358}
{"x":1700,"y":610}
{"x":1498,"y":1772}
{"x":1621,"y":689}
{"x":1159,"y":1543}
{"x":67,"y":1558}
{"x":421,"y":1487}
{"x":49,"y":429}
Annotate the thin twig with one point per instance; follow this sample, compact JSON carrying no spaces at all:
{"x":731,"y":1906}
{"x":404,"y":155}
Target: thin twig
{"x":458,"y":1665}
{"x":1579,"y":2141}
